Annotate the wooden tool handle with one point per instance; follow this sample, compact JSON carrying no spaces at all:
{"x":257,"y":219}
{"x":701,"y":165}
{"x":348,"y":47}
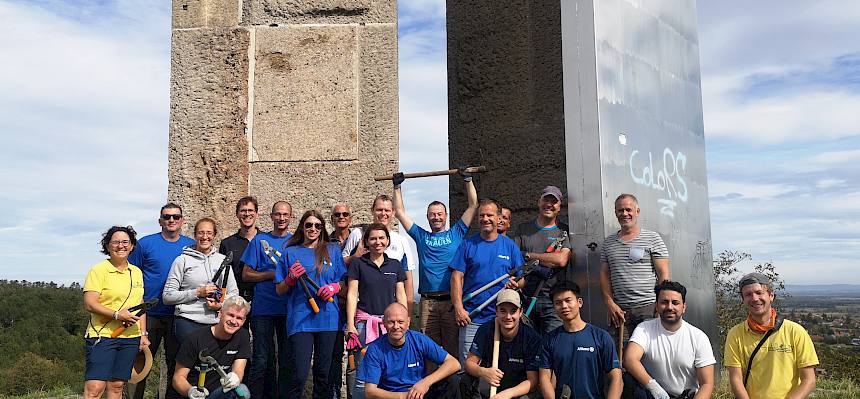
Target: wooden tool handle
{"x":471,"y":169}
{"x":620,"y":343}
{"x":495,"y":363}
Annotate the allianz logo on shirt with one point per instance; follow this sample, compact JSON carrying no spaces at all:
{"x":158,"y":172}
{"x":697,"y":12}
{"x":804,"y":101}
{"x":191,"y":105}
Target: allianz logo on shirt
{"x":411,"y":365}
{"x":389,"y":273}
{"x":515,"y":360}
{"x":585,"y":349}
{"x":229,"y":352}
{"x":505,"y":257}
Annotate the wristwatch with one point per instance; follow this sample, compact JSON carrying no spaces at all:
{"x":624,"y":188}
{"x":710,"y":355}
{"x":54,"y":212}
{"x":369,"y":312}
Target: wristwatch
{"x":145,"y":333}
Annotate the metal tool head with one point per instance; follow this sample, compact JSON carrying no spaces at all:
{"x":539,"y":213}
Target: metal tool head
{"x":229,"y":259}
{"x":530,"y":266}
{"x":266,"y":248}
{"x":144,"y":306}
{"x":565,"y":392}
{"x":206,"y":359}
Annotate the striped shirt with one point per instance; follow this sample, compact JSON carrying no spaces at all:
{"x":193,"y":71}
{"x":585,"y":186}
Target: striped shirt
{"x":631,"y":269}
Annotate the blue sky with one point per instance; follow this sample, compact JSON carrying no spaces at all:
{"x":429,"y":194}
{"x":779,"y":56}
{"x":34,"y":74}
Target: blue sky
{"x":84,"y":120}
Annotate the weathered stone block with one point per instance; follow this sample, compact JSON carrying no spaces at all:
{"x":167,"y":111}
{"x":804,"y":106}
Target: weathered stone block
{"x":208,"y":152}
{"x":206,"y":13}
{"x":378,"y":116}
{"x":274,"y":12}
{"x":306,"y":94}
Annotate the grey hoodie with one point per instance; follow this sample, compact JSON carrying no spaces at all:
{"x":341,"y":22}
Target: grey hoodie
{"x":189,"y":271}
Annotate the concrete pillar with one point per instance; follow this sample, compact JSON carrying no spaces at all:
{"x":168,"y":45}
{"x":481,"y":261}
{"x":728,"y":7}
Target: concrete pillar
{"x":281,"y":99}
{"x":599,"y":97}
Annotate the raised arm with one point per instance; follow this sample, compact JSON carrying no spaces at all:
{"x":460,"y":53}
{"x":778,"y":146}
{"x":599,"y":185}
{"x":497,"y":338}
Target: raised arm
{"x":400,"y":209}
{"x":472,"y":196}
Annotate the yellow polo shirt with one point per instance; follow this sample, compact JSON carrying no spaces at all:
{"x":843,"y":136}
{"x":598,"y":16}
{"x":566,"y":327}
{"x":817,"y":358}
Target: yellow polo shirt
{"x":116,"y":289}
{"x":776,"y":367}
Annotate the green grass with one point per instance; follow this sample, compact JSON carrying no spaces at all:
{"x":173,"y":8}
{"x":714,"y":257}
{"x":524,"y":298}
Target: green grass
{"x":824,"y":389}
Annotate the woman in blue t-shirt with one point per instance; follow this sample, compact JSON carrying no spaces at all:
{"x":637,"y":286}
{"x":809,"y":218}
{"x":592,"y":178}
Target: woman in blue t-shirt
{"x":375,"y":281}
{"x":310,"y":261}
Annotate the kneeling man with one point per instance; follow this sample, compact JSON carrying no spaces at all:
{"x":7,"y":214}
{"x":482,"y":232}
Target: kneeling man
{"x":668,"y":356}
{"x":519,"y":354}
{"x":394,"y":364}
{"x":226,"y":342}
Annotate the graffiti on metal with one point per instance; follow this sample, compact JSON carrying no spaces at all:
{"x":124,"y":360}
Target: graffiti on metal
{"x":668,"y":178}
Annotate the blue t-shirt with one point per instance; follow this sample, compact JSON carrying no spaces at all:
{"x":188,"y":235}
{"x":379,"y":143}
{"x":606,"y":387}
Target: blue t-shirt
{"x":481,"y":262}
{"x":301,"y":318}
{"x":580,"y":360}
{"x":435,"y":251}
{"x":398,"y":369}
{"x":516,"y":358}
{"x":154,"y":256}
{"x":266,"y":302}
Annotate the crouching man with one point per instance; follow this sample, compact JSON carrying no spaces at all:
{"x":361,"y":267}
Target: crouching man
{"x":394,"y":364}
{"x":228,"y":344}
{"x":519,"y":355}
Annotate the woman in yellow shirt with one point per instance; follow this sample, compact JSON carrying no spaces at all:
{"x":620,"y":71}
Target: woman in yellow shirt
{"x":112,"y":286}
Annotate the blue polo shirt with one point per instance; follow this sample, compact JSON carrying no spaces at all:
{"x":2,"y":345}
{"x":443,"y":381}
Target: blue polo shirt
{"x":266,"y":302}
{"x":516,"y":358}
{"x":580,"y":359}
{"x":398,"y":369}
{"x":483,"y":261}
{"x":154,"y":256}
{"x":301,"y":318}
{"x":435,"y":251}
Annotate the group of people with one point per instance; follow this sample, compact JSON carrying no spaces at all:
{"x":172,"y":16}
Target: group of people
{"x":499,"y":313}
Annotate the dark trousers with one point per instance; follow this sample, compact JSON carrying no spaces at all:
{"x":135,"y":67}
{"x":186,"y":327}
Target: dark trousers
{"x":159,"y":328}
{"x":335,"y":374}
{"x":268,"y":373}
{"x":305,"y":345}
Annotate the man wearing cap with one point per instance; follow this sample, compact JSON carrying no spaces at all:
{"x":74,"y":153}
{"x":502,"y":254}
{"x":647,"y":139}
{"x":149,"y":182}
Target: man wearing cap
{"x":519,"y":354}
{"x":228,"y":344}
{"x":669,"y":356}
{"x":544,"y":239}
{"x":783,"y":366}
{"x":632,"y":262}
{"x":436,"y":248}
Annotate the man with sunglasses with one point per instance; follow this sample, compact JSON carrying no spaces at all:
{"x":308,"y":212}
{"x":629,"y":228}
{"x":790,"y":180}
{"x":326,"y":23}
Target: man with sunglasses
{"x":268,"y":315}
{"x":436,"y":249}
{"x":154,"y":255}
{"x":341,"y":219}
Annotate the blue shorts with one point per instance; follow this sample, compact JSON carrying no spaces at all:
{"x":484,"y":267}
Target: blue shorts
{"x":110,"y":359}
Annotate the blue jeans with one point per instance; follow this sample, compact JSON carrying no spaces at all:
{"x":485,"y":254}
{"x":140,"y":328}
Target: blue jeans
{"x":543,"y":317}
{"x":305,"y":345}
{"x":263,"y":381}
{"x":467,"y":335}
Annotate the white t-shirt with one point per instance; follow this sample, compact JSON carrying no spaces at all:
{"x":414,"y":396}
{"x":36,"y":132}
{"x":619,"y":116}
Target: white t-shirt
{"x":672,"y":358}
{"x":398,"y":247}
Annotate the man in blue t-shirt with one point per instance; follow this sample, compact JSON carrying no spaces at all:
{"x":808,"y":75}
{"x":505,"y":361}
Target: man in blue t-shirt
{"x":436,"y":248}
{"x":479,"y":260}
{"x":580,"y":355}
{"x":154,"y":255}
{"x":269,"y":310}
{"x":397,"y":361}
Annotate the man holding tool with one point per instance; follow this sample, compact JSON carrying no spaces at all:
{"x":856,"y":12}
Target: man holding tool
{"x":480,"y":259}
{"x":269,"y":313}
{"x":154,"y":254}
{"x":436,"y":249}
{"x":246,"y":213}
{"x":768,"y":357}
{"x":578,"y":356}
{"x":219,"y":352}
{"x":504,"y":356}
{"x":669,"y":356}
{"x":544,"y":239}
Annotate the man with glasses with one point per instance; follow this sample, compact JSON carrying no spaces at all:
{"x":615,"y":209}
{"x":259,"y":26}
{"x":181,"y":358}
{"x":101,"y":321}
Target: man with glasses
{"x":154,"y":255}
{"x":341,"y":219}
{"x":246,"y":213}
{"x":269,"y":310}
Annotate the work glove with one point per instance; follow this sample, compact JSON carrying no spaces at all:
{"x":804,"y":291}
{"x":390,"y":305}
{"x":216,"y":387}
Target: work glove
{"x":230,"y":381}
{"x":197,"y":393}
{"x":296,"y":272}
{"x":352,"y":342}
{"x":327,"y":291}
{"x":464,"y":174}
{"x":656,"y":390}
{"x":397,"y":179}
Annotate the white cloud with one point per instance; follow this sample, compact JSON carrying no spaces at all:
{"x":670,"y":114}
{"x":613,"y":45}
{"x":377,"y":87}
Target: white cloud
{"x":722,"y":188}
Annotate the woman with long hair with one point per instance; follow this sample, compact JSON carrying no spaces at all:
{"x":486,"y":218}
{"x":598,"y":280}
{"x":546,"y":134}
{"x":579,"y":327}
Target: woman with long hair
{"x":375,"y":281}
{"x":111,"y":288}
{"x":310,"y":261}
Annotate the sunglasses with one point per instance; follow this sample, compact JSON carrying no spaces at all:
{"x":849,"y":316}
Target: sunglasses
{"x":317,"y":226}
{"x":340,"y":214}
{"x":174,"y":217}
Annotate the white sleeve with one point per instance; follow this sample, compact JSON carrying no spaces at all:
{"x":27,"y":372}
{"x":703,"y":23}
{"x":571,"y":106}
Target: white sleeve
{"x":704,"y":352}
{"x":640,"y":336}
{"x":351,"y":242}
{"x":411,"y":261}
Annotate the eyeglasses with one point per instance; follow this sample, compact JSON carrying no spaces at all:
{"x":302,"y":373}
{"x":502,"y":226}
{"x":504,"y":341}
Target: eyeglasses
{"x":282,"y":215}
{"x":120,"y":243}
{"x":340,"y":214}
{"x":175,"y":216}
{"x":317,"y":226}
{"x":247,"y":211}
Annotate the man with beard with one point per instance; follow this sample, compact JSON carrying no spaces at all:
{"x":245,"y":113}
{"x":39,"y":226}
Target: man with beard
{"x":227,"y":343}
{"x":784,"y":365}
{"x":246,"y":213}
{"x":395,"y":364}
{"x":668,"y":356}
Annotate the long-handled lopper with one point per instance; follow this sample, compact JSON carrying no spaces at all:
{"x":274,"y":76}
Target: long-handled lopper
{"x":527,"y":269}
{"x":141,"y":309}
{"x":311,"y":300}
{"x":225,"y":268}
{"x":314,"y":285}
{"x":209,"y":361}
{"x":272,"y":253}
{"x":554,"y":246}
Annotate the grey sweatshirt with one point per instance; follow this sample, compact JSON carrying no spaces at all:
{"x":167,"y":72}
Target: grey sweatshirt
{"x":189,"y":271}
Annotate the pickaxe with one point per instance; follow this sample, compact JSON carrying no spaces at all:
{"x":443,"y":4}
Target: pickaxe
{"x":470,"y":169}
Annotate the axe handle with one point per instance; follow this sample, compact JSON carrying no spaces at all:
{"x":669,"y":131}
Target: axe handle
{"x":620,"y":343}
{"x":495,"y":362}
{"x":471,"y":169}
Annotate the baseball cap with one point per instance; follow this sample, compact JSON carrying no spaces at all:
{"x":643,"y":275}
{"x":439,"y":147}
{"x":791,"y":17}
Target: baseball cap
{"x":551,"y":190}
{"x":507,"y":295}
{"x":754,"y":278}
